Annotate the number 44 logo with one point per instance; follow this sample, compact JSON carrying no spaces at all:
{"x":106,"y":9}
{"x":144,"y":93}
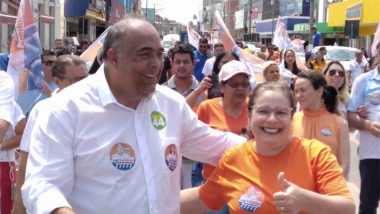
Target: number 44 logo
{"x":158,"y":120}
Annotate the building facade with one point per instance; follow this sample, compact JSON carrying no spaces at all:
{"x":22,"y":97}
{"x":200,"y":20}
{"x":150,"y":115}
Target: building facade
{"x":358,"y":20}
{"x":47,"y":12}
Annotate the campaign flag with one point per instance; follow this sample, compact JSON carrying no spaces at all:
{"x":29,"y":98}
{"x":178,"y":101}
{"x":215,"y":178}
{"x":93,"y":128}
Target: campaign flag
{"x":91,"y":52}
{"x":193,"y":36}
{"x":281,"y":37}
{"x":254,"y":64}
{"x":25,"y":51}
{"x":376,"y":40}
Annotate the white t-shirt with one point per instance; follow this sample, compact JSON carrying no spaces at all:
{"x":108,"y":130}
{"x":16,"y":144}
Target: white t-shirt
{"x":356,"y":68}
{"x":209,"y":65}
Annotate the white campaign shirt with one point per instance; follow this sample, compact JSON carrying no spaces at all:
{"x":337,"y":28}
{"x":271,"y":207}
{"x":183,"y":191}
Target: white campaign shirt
{"x":14,"y":115}
{"x":366,"y":91}
{"x":356,"y":68}
{"x":95,"y":155}
{"x":208,"y":67}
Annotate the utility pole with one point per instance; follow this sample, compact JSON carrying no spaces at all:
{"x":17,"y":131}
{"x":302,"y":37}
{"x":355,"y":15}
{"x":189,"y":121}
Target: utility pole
{"x":146,"y":9}
{"x":108,"y":10}
{"x":272,"y":2}
{"x":311,"y":21}
{"x":250,"y":18}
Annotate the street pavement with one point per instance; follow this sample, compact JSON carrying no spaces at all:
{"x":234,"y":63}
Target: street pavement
{"x":354,"y":175}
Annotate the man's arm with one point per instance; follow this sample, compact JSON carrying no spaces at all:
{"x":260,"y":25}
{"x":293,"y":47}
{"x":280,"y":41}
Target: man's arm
{"x":364,"y":124}
{"x":14,"y":141}
{"x":50,"y":169}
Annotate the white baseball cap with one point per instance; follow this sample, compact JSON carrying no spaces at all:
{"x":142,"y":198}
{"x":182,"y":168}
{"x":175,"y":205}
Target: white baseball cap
{"x":232,"y":68}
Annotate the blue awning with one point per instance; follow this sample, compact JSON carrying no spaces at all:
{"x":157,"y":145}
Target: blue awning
{"x":75,"y":7}
{"x":265,"y":26}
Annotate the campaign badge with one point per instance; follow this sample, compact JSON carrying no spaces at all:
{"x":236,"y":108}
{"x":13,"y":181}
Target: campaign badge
{"x":252,"y":200}
{"x":171,"y":157}
{"x":158,"y":120}
{"x":122,"y":156}
{"x":375,"y":99}
{"x":326,"y":132}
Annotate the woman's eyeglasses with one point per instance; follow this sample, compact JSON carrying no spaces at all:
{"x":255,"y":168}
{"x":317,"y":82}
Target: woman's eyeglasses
{"x":334,"y":71}
{"x":279,"y":113}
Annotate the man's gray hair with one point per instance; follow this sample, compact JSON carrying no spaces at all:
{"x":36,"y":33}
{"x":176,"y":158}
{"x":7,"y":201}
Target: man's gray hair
{"x":115,"y":37}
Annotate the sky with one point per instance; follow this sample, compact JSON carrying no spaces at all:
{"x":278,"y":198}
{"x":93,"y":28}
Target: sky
{"x":179,"y":10}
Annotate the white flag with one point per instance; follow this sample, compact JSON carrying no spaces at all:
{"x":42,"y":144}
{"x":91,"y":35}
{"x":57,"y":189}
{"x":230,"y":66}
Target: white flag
{"x":193,"y":36}
{"x":376,"y":40}
{"x":281,"y":38}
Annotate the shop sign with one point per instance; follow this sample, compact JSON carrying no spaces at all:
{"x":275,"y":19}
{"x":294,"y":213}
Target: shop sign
{"x":354,"y":12}
{"x":302,"y":28}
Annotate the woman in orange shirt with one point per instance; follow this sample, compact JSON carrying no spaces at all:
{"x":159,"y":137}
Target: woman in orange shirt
{"x":276,"y":172}
{"x":229,"y":112}
{"x":319,"y":117}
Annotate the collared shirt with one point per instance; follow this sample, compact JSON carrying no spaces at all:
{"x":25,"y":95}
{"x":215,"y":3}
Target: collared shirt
{"x":200,"y":60}
{"x":93,"y":154}
{"x":171,"y":84}
{"x":366,"y":91}
{"x":356,"y":68}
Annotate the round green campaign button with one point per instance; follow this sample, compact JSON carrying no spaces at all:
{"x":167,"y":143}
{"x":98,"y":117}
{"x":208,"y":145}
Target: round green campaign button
{"x":158,"y":120}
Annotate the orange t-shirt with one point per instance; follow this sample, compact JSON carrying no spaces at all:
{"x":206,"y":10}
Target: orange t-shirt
{"x":319,"y":124}
{"x":246,"y":180}
{"x":211,"y":112}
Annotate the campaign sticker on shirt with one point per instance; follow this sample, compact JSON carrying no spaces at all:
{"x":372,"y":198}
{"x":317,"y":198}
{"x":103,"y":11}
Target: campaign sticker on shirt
{"x":171,"y":157}
{"x":122,"y":156}
{"x":158,"y":120}
{"x":326,"y":132}
{"x":252,"y":200}
{"x":375,"y":99}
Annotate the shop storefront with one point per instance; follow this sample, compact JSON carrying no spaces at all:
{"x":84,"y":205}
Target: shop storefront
{"x":267,"y":27}
{"x":358,"y":18}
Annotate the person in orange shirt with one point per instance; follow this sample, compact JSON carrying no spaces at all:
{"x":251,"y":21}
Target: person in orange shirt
{"x":229,"y":112}
{"x":276,"y":172}
{"x":319,"y":117}
{"x":319,"y":62}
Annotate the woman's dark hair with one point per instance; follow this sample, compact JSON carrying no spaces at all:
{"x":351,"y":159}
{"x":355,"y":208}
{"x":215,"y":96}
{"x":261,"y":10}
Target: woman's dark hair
{"x":329,"y":95}
{"x":215,"y":69}
{"x":327,"y":67}
{"x":271,"y":86}
{"x":214,"y":91}
{"x":295,"y":70}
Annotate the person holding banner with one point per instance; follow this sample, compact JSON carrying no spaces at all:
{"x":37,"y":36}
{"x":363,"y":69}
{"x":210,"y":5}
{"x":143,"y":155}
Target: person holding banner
{"x":112,"y":143}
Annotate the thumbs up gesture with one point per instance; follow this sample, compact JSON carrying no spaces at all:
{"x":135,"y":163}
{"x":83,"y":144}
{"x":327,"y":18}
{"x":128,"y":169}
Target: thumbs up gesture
{"x":289,"y":200}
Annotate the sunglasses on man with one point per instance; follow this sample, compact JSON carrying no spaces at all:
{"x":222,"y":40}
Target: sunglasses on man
{"x":48,"y":62}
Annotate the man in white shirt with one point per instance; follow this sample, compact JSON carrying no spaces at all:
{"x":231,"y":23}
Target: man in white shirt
{"x":366,"y":92}
{"x":357,"y":66}
{"x":70,"y":167}
{"x":66,"y":70}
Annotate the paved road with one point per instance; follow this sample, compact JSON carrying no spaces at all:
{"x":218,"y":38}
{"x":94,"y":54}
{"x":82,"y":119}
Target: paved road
{"x":354,"y":175}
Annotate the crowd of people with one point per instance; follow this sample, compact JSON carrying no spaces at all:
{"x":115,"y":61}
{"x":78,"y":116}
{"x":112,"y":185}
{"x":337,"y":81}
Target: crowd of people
{"x":187,"y":132}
